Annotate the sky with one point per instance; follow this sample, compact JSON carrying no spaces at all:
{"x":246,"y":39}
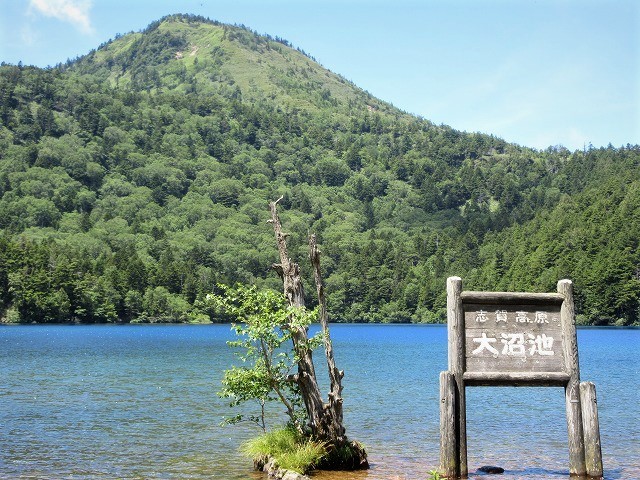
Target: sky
{"x":538,"y":73}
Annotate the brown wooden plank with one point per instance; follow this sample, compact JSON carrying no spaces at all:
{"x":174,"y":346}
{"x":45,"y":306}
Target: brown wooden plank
{"x":513,"y":338}
{"x":478,"y":315}
{"x":516,"y":379}
{"x":505,"y":298}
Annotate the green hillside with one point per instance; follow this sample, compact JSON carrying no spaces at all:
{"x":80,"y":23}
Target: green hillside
{"x":136,"y":178}
{"x":191,"y":55}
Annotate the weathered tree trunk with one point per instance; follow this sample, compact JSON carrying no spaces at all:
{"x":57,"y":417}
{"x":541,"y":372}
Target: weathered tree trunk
{"x":333,"y":410}
{"x":294,"y":292}
{"x":325,"y":419}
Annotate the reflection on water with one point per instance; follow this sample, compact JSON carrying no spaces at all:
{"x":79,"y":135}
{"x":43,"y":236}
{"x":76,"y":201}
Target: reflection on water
{"x":140,"y":402}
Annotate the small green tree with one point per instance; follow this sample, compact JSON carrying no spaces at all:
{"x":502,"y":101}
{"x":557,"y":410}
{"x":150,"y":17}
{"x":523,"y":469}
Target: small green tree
{"x":269,"y":321}
{"x":264,"y":335}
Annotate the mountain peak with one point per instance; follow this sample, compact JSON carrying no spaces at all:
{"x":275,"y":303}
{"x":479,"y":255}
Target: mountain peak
{"x":188,"y":53}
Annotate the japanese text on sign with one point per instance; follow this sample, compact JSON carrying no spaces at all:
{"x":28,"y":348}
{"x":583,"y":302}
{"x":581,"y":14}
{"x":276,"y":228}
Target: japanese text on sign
{"x":482,"y":316}
{"x":515,"y":344}
{"x":513,"y":338}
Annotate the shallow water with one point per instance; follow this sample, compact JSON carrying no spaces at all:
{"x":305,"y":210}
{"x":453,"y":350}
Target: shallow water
{"x":139,"y":402}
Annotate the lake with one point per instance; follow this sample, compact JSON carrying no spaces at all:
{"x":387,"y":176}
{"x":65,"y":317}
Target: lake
{"x":139,"y":402}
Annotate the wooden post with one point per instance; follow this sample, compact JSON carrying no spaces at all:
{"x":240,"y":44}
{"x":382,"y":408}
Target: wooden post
{"x":572,"y":389}
{"x":455,"y":329}
{"x":448,"y":443}
{"x":591,"y":427}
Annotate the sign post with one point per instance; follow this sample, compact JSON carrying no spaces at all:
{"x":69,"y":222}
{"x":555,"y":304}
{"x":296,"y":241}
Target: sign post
{"x":513,"y":339}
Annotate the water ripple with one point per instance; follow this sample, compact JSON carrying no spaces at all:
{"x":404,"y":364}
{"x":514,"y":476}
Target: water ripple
{"x":139,"y":402}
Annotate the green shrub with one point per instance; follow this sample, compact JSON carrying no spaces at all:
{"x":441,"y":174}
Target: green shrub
{"x":434,"y":475}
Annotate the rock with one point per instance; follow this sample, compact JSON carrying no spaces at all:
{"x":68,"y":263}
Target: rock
{"x":351,"y":457}
{"x":491,"y":470}
{"x":289,"y":475}
{"x":271,"y":468}
{"x":260,"y":462}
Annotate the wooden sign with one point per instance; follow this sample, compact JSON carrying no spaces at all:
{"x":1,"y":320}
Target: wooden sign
{"x":514,"y":339}
{"x":518,"y":336}
{"x":522,"y":338}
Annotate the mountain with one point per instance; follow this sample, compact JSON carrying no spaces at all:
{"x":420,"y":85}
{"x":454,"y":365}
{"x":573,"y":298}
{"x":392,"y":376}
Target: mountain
{"x":135,"y":179}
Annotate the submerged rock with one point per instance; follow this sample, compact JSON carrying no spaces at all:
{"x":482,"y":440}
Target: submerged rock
{"x":351,"y":456}
{"x":270,"y":467}
{"x":289,"y":475}
{"x":491,"y":470}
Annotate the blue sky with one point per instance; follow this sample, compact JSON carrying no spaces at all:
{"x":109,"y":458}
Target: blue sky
{"x":534,"y":72}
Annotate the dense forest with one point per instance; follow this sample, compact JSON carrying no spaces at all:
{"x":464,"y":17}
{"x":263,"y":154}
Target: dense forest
{"x":136,"y":179}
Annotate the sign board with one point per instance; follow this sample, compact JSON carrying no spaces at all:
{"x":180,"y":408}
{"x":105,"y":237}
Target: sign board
{"x":523,"y":338}
{"x":513,"y":339}
{"x":520,"y":336}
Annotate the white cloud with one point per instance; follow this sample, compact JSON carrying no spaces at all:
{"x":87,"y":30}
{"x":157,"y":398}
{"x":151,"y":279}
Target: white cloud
{"x":28,"y":36}
{"x":75,"y":12}
{"x":576,"y":138}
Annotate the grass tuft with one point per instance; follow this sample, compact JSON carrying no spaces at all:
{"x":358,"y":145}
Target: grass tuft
{"x":290,"y":450}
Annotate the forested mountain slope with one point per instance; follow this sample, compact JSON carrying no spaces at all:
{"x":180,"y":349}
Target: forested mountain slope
{"x":136,"y":178}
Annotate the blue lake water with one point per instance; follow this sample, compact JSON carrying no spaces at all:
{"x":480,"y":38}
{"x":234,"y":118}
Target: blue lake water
{"x":139,"y":402}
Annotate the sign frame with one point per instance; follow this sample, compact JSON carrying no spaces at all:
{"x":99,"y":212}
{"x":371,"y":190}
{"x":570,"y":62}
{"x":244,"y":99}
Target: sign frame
{"x":490,"y":366}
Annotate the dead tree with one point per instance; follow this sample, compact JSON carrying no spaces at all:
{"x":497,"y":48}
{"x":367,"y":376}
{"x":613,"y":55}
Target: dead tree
{"x":325,"y":419}
{"x":333,"y":410}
